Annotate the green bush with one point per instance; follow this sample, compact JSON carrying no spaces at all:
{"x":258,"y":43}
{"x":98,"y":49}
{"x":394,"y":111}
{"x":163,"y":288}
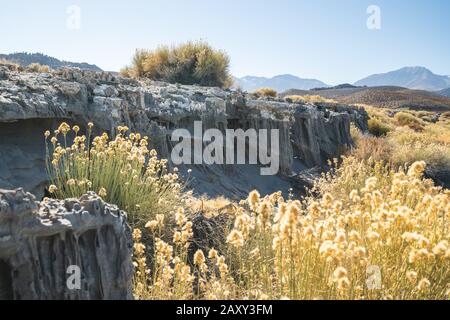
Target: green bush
{"x":189,"y":63}
{"x":137,"y":65}
{"x":377,"y":128}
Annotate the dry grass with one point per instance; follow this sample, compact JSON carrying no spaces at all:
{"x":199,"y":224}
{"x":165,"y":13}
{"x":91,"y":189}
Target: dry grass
{"x":137,"y":65}
{"x":384,"y":237}
{"x":210,"y":207}
{"x":410,"y":146}
{"x":378,"y":128}
{"x":11,"y":65}
{"x":409,"y":120}
{"x":405,"y":139}
{"x":446,"y":115}
{"x":372,"y":147}
{"x":373,"y":227}
{"x":38,"y":68}
{"x":370,"y":230}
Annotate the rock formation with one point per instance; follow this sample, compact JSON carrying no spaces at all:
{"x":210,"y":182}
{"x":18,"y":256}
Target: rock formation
{"x":42,"y":243}
{"x":30,"y":103}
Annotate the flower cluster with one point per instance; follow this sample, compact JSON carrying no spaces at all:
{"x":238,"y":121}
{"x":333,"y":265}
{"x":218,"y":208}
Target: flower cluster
{"x":324,"y":246}
{"x":123,"y":171}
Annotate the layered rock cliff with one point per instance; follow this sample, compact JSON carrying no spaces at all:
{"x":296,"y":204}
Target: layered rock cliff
{"x":30,"y":103}
{"x":75,"y":249}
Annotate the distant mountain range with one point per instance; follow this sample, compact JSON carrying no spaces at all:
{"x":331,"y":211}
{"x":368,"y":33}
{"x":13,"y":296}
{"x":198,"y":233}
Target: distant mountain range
{"x":25,"y":59}
{"x":419,"y":78}
{"x":445,"y":92}
{"x":279,"y":83}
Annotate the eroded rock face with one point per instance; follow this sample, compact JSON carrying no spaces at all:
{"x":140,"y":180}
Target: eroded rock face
{"x":41,"y":243}
{"x":31,"y":102}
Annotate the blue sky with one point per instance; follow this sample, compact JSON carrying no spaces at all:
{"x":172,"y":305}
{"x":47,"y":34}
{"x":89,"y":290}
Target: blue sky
{"x":324,"y":39}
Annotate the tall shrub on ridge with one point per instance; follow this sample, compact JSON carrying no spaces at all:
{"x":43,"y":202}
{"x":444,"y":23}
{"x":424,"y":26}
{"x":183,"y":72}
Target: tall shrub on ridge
{"x":189,"y":63}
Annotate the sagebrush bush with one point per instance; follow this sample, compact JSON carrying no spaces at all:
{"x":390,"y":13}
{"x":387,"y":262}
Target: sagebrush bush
{"x":38,"y":68}
{"x":189,"y":63}
{"x":406,"y":146}
{"x":11,"y":65}
{"x":375,"y":148}
{"x":378,"y":128}
{"x":121,"y":170}
{"x":408,"y":119}
{"x":265,"y":92}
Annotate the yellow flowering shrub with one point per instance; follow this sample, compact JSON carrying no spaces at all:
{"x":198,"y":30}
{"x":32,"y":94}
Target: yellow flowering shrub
{"x":122,"y":170}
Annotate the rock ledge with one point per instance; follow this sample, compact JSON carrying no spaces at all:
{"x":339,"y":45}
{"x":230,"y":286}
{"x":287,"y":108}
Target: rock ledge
{"x":41,"y":243}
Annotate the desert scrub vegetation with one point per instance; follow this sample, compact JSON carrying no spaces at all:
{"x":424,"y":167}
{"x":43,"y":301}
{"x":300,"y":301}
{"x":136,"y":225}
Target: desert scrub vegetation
{"x":38,"y":68}
{"x":11,"y":65}
{"x":409,"y":120}
{"x":381,"y":123}
{"x":189,"y":63}
{"x":405,"y":138}
{"x":367,"y":231}
{"x":386,"y":236}
{"x":308,"y":99}
{"x":265,"y":93}
{"x":410,"y":146}
{"x":446,"y":115}
{"x":122,"y":170}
